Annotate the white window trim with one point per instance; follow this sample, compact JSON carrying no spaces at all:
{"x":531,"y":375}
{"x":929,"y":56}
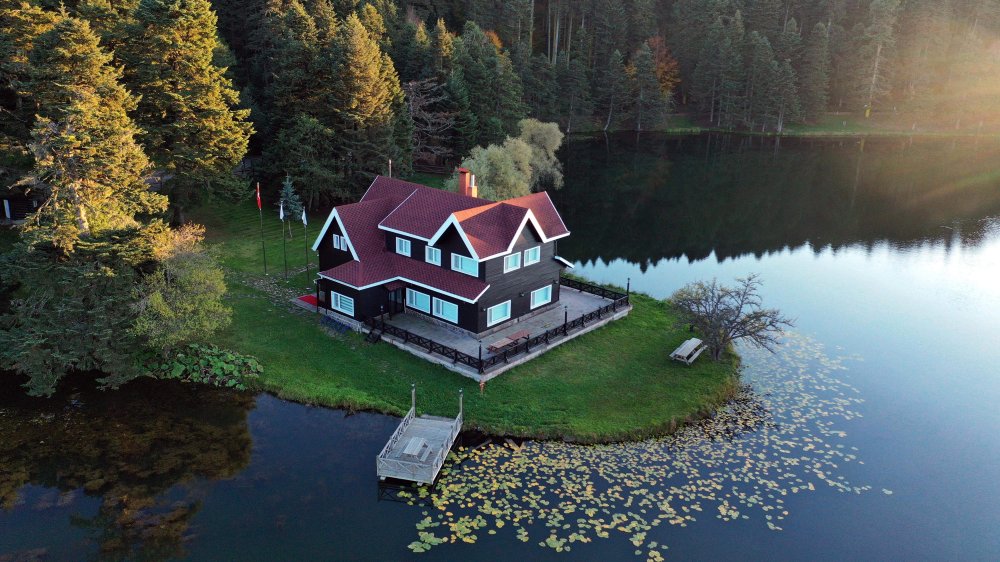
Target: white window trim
{"x":534,"y":261}
{"x":508,"y":269}
{"x":532,"y":301}
{"x":434,"y":306}
{"x":458,"y":257}
{"x":497,"y":320}
{"x":413,"y":305}
{"x":403,"y":242}
{"x":428,"y":251}
{"x":335,"y":299}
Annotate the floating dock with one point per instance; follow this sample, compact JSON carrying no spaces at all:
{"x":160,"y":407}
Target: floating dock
{"x":416,"y":451}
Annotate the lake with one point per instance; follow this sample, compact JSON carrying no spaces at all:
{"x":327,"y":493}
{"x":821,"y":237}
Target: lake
{"x":871,"y":434}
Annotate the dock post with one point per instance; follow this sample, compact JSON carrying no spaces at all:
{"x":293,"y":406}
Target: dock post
{"x":461,"y":396}
{"x":413,"y":397}
{"x":628,"y":286}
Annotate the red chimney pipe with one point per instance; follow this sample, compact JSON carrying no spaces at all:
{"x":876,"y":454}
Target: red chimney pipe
{"x":464,"y":182}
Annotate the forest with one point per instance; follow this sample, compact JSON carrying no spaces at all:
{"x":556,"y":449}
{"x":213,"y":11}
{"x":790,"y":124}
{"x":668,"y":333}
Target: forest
{"x":118,"y":116}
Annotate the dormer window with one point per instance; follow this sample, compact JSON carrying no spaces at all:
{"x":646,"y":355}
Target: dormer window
{"x":432,"y":255}
{"x":403,"y":247}
{"x":339,"y":243}
{"x":512,"y":262}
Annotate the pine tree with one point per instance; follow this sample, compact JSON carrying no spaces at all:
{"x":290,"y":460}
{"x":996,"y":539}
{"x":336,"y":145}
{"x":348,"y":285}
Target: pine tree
{"x":290,"y":203}
{"x":299,"y":79}
{"x":815,"y":73}
{"x":366,"y":97}
{"x":194,"y":132}
{"x":110,"y":20}
{"x":642,"y":23}
{"x":574,"y":88}
{"x":20,"y":24}
{"x":760,"y":86}
{"x":611,"y":88}
{"x":786,"y":96}
{"x":648,"y":101}
{"x":301,"y":151}
{"x":84,"y":142}
{"x":874,"y":55}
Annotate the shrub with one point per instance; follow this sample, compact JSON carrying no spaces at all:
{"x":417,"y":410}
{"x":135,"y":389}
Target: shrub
{"x":207,"y":364}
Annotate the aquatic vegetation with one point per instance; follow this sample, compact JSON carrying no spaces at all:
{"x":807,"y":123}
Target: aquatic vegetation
{"x":779,"y":437}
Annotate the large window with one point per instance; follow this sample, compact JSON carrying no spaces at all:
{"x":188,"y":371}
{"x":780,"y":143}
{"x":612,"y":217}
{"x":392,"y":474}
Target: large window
{"x":512,"y":262}
{"x":498,"y":313}
{"x":403,"y":246}
{"x":446,"y":310}
{"x":418,"y":300}
{"x":432,"y":255}
{"x":532,"y":255}
{"x":541,"y":296}
{"x":340,"y":303}
{"x":465,"y":265}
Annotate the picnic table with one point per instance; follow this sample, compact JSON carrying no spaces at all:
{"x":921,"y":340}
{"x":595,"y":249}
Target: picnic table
{"x":509,"y":341}
{"x":688,"y":351}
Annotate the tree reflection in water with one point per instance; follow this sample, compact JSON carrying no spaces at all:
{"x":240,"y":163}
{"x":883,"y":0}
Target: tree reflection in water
{"x":130,"y":448}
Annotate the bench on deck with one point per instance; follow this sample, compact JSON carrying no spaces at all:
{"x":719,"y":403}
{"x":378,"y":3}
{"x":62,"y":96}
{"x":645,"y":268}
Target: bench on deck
{"x":509,"y":341}
{"x":688,"y":351}
{"x":417,"y":447}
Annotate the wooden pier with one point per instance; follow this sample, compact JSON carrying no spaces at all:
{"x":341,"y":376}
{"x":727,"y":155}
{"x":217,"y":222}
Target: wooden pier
{"x":416,"y":451}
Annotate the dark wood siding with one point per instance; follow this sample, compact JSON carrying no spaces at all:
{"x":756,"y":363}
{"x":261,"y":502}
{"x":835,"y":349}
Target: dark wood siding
{"x":330,"y":257}
{"x":367,"y":302}
{"x":517,"y":285}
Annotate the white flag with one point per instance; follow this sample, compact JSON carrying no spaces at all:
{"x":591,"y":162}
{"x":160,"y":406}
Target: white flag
{"x":304,"y":221}
{"x":281,"y":211}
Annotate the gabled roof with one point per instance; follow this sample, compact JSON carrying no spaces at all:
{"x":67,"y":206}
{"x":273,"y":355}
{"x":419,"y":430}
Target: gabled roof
{"x":489,"y":229}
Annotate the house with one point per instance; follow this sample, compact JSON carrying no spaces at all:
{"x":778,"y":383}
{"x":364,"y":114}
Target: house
{"x":15,"y":207}
{"x":459,"y":260}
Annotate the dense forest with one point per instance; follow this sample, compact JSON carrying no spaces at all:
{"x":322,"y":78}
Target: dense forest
{"x":116,"y":116}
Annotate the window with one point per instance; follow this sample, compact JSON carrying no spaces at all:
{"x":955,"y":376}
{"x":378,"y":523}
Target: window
{"x":498,"y":313}
{"x":512,"y":262}
{"x":418,"y":300}
{"x":446,"y":310}
{"x":541,"y":296}
{"x":465,"y":265}
{"x":532,"y":255}
{"x":338,"y":243}
{"x":403,"y":246}
{"x":340,"y":303}
{"x":432,"y":255}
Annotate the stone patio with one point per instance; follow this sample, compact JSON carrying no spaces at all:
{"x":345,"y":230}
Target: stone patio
{"x":571,"y":301}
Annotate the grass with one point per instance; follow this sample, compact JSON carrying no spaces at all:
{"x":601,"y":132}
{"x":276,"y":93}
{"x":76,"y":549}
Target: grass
{"x":611,"y":384}
{"x":8,"y":236}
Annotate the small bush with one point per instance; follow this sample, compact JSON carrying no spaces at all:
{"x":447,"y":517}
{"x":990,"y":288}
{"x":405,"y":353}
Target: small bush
{"x":207,"y":364}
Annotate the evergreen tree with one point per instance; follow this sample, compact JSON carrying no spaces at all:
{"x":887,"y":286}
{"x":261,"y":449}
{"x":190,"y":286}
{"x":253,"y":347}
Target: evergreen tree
{"x":648,"y":102}
{"x":110,"y":20}
{"x":193,"y":131}
{"x":760,"y":87}
{"x":786,"y":96}
{"x":574,"y":88}
{"x":874,"y":54}
{"x":442,"y":49}
{"x":301,"y":150}
{"x":815,"y":72}
{"x":290,"y":203}
{"x":611,"y":88}
{"x":642,"y":23}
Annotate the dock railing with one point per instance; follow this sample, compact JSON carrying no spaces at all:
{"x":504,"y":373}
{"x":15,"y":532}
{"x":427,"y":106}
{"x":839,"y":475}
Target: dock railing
{"x":482,"y":364}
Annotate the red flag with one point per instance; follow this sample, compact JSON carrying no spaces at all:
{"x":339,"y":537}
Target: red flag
{"x":258,"y":196}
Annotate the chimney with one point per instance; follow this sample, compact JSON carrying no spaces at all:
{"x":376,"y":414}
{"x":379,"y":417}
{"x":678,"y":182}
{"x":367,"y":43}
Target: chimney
{"x":463,"y":181}
{"x":473,"y":188}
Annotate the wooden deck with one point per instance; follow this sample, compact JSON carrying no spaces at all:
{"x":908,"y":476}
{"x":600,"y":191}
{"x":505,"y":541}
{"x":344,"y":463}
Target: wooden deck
{"x":416,"y":451}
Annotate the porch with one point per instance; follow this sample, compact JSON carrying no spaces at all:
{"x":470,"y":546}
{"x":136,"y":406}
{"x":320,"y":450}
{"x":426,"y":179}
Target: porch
{"x":581,"y":308}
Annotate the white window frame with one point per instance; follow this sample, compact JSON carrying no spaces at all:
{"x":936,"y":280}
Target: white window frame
{"x":438,"y":307}
{"x":337,"y":302}
{"x":538,"y":256}
{"x":432,"y":255}
{"x":490,"y":321}
{"x":535,"y":305}
{"x":403,"y":246}
{"x":457,"y":259}
{"x":411,"y":302}
{"x":337,"y":244}
{"x":507,"y":268}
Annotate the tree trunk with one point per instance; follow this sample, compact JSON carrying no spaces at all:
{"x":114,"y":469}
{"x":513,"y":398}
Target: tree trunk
{"x":81,"y":213}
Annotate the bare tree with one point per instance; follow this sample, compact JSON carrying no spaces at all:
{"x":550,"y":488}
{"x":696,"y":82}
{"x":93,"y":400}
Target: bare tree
{"x":723,"y":314}
{"x":432,"y":125}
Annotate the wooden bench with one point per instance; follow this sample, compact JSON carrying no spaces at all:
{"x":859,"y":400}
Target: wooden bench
{"x":688,"y":351}
{"x":509,"y":341}
{"x":414,"y":446}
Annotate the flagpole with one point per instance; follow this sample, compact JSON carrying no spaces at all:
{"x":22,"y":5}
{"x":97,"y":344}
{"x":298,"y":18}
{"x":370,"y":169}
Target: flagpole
{"x":260,"y":210}
{"x":284,"y":247}
{"x":305,"y":242}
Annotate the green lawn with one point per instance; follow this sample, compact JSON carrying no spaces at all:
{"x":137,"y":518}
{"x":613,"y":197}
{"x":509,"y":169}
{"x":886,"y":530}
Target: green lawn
{"x":614,"y":383}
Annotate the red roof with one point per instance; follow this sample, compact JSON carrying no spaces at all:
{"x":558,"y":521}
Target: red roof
{"x":420,"y":212}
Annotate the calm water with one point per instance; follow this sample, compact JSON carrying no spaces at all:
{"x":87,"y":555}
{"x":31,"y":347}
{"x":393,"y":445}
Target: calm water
{"x":875,"y":429}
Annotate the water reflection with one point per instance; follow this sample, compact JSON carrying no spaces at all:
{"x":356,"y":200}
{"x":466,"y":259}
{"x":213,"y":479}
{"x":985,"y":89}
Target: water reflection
{"x":130,"y":450}
{"x":662,"y":197}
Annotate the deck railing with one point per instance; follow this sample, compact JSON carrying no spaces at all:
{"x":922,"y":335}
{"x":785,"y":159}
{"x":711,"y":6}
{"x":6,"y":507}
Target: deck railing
{"x":483,"y":364}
